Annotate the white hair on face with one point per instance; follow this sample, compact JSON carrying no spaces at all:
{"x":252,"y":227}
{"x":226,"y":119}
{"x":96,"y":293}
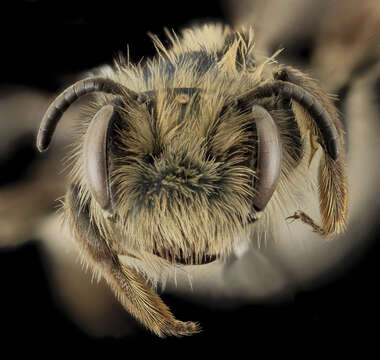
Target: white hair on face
{"x":191,"y":156}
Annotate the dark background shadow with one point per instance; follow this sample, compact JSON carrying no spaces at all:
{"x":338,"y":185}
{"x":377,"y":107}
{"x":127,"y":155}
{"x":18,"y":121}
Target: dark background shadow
{"x":42,"y":45}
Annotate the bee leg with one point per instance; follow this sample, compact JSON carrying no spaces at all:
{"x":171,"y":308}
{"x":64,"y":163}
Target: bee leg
{"x":131,"y":289}
{"x":300,"y":215}
{"x":332,"y":180}
{"x":313,"y":147}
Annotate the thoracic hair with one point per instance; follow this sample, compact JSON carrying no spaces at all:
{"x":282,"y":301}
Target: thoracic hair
{"x":182,"y":158}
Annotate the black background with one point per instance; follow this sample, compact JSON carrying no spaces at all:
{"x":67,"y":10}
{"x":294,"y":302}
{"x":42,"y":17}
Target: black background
{"x":42,"y":43}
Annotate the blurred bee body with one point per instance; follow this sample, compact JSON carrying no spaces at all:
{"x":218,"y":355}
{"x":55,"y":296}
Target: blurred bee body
{"x":190,"y":156}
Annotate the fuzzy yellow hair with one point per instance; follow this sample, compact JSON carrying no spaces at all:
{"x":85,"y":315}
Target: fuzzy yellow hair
{"x":182,"y":166}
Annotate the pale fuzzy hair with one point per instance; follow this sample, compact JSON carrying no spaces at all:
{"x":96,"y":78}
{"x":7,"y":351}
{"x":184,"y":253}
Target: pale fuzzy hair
{"x":213,"y":225}
{"x":182,"y":167}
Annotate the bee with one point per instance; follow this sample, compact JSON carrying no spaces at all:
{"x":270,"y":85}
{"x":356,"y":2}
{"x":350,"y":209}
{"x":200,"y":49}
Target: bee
{"x":182,"y":158}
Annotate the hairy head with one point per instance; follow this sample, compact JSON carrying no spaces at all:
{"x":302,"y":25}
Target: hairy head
{"x":181,"y":173}
{"x":178,"y":158}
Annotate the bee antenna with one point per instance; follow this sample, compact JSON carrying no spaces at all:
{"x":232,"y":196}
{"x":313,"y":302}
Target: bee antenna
{"x":319,"y":114}
{"x":70,"y":95}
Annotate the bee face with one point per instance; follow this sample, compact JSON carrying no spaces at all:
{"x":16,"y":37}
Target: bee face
{"x":179,"y":157}
{"x":173,"y":168}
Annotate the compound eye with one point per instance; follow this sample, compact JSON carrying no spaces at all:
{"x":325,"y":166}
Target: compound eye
{"x":96,"y":157}
{"x":268,"y":156}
